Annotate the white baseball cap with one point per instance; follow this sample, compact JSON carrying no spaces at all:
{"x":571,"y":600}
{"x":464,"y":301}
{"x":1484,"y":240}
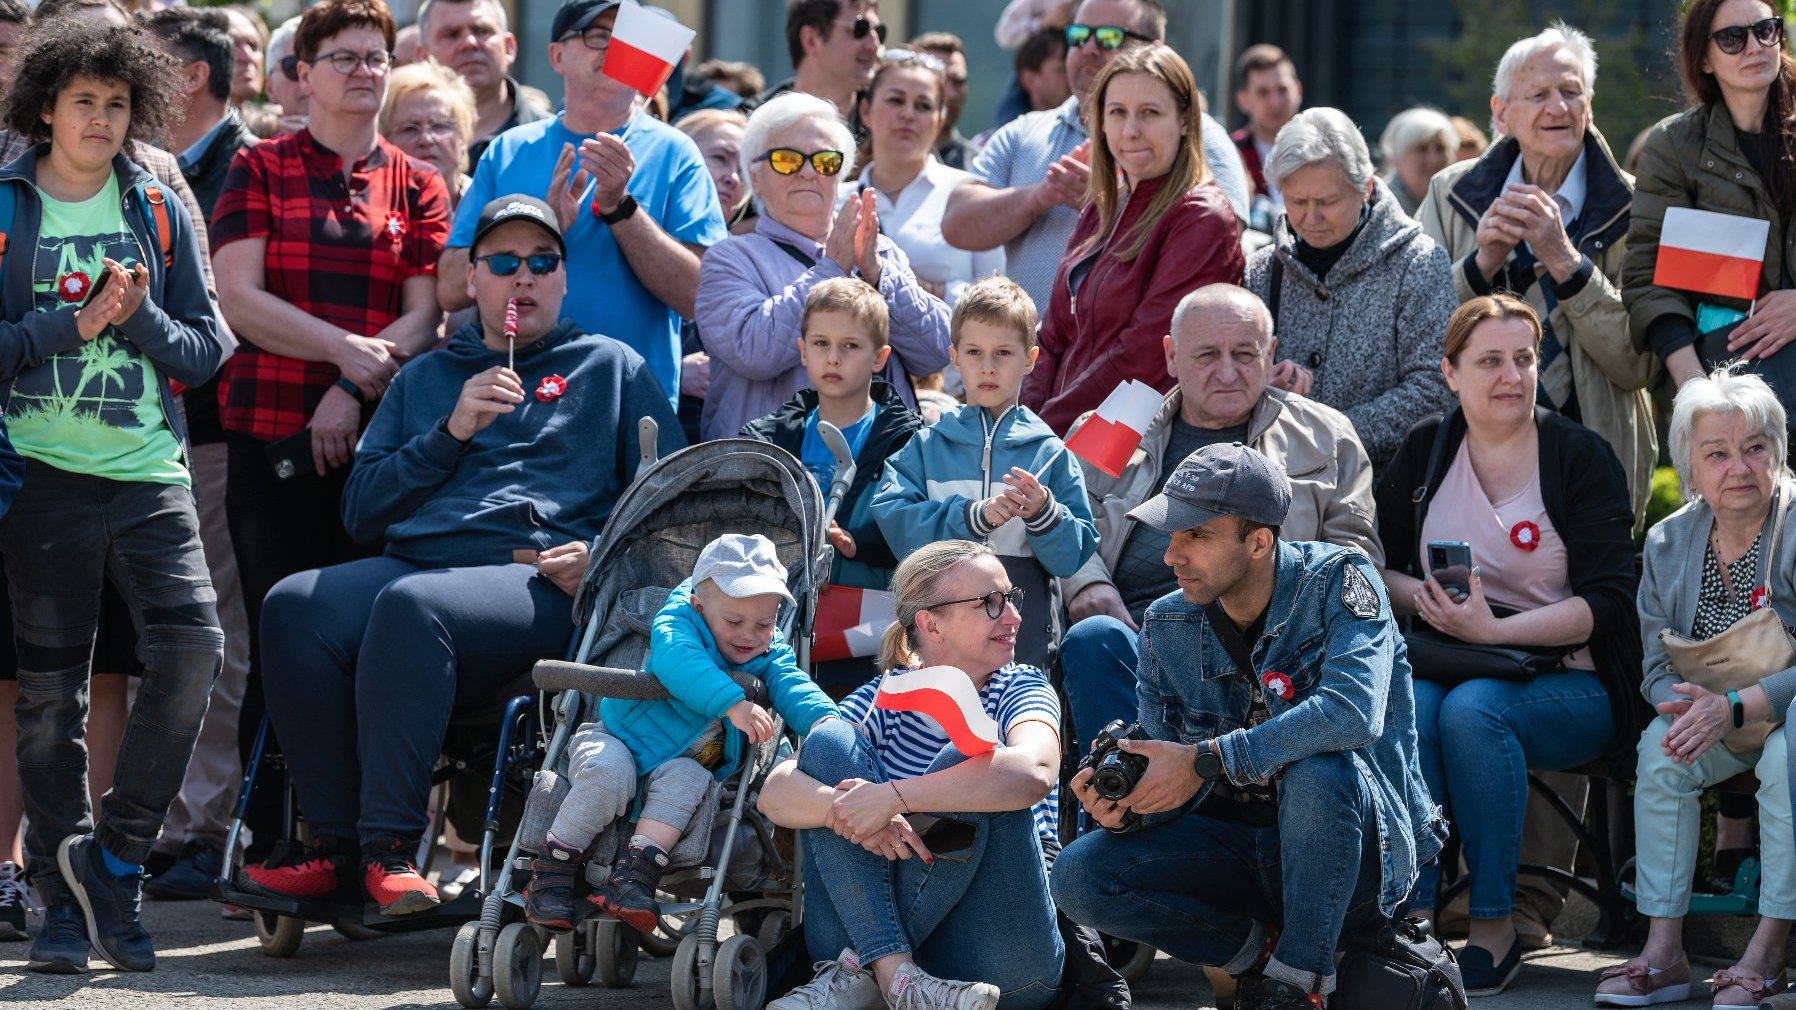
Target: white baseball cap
{"x":742,"y":565}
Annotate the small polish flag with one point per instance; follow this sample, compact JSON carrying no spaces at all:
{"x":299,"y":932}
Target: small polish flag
{"x":1715,"y":254}
{"x":644,"y":48}
{"x":850,"y":621}
{"x":945,"y":695}
{"x":1108,"y":438}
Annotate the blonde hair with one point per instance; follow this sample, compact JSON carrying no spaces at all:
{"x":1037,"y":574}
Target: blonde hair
{"x":1188,"y":166}
{"x":855,"y":299}
{"x":995,"y":301}
{"x":431,"y":76}
{"x":916,"y":586}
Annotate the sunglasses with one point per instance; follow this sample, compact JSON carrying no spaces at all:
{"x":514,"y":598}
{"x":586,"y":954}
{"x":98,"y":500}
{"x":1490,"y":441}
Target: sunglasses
{"x":1108,"y":37}
{"x":863,"y":27}
{"x":994,"y":602}
{"x":788,"y":160}
{"x":912,"y":57}
{"x":290,"y":67}
{"x":505,"y":264}
{"x":1732,"y":40}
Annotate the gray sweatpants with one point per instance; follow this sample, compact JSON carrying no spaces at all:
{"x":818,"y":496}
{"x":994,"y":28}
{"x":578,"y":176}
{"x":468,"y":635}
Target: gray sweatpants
{"x":602,"y":783}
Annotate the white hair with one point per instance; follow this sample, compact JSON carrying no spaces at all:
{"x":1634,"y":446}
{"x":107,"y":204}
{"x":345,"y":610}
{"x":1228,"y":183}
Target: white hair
{"x":781,"y":114}
{"x":1558,"y":35}
{"x":1412,"y":128}
{"x":1212,"y":297}
{"x":280,"y":43}
{"x":1725,"y":391}
{"x":1320,"y":136}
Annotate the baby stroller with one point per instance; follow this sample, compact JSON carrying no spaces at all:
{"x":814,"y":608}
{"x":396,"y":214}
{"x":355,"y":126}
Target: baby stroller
{"x":727,"y":863}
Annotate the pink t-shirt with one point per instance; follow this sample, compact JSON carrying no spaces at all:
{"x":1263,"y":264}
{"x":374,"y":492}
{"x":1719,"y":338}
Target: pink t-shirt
{"x":1513,"y":577}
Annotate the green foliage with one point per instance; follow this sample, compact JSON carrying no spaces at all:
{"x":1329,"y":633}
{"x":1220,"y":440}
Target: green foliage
{"x":1637,"y":83}
{"x":1667,"y":496}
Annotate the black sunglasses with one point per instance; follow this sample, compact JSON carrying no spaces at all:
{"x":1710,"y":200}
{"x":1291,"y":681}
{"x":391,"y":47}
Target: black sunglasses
{"x":505,"y":264}
{"x":1732,"y":40}
{"x":1108,"y":37}
{"x":290,"y":67}
{"x":994,"y":602}
{"x":862,"y":26}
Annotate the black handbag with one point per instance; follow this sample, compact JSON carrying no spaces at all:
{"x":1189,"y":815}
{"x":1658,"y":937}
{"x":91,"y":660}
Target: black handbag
{"x":1400,"y":967}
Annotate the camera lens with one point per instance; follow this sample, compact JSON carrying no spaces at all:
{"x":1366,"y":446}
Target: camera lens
{"x":1112,"y":783}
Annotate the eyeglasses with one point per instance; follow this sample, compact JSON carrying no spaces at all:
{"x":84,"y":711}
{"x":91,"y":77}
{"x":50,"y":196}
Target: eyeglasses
{"x":788,"y":160}
{"x":1108,"y":36}
{"x":290,"y":67}
{"x":411,"y":132}
{"x":592,"y":37}
{"x":862,"y":27}
{"x":904,"y":57}
{"x":505,"y":264}
{"x":1732,"y":40}
{"x":344,"y":62}
{"x":994,"y":602}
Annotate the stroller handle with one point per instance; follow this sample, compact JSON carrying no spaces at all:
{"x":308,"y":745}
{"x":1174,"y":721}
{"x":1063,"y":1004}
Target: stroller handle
{"x":632,"y":685}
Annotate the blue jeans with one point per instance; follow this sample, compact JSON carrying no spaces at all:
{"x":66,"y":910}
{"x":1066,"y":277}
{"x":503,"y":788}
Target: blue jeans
{"x":1477,"y":742}
{"x":1207,"y":890}
{"x":364,"y":663}
{"x":980,"y":916}
{"x":64,"y":535}
{"x":1098,"y":658}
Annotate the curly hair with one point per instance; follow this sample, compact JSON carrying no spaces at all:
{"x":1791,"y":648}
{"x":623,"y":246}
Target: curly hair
{"x":57,"y":51}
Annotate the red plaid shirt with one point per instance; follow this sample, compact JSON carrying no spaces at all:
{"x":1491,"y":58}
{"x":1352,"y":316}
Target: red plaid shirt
{"x":340,"y":252}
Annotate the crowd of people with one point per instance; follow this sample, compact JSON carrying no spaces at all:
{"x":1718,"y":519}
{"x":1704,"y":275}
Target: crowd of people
{"x":324,"y":351}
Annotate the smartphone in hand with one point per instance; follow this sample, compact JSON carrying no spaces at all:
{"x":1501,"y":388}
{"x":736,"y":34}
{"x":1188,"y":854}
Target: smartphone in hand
{"x":1450,"y":563}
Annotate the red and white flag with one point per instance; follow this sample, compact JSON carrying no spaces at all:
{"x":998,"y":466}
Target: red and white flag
{"x":1715,"y":254}
{"x":1108,"y":438}
{"x":945,"y":695}
{"x":644,"y":48}
{"x":850,"y":621}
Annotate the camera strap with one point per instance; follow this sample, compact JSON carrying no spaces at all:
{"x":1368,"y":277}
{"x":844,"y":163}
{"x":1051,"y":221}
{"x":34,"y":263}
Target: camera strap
{"x":1231,"y":640}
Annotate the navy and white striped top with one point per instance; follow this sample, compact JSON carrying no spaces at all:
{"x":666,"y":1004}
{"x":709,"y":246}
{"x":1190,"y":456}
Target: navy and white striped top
{"x":908,"y":742}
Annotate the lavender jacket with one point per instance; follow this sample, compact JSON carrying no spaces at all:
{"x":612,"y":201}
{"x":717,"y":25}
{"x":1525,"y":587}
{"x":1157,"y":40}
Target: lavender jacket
{"x":751,"y":295}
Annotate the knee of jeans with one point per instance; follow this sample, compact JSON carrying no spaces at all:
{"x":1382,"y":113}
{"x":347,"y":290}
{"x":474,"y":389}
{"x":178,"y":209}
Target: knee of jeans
{"x":1471,"y":708}
{"x":1329,"y":776}
{"x":1096,"y":643}
{"x":1078,"y":880}
{"x":832,"y":751}
{"x":405,"y":602}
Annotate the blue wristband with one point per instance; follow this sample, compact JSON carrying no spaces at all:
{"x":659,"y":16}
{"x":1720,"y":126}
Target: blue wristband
{"x":351,"y":388}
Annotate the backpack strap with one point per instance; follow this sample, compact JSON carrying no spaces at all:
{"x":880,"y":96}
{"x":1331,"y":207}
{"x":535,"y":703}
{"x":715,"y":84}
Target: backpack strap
{"x":8,"y":206}
{"x":158,"y":204}
{"x":1429,"y":476}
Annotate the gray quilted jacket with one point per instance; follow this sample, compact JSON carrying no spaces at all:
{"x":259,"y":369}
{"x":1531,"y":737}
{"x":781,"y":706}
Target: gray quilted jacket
{"x":1372,"y":334}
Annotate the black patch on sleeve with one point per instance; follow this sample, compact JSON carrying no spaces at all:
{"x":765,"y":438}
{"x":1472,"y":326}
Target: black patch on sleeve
{"x":1357,"y":594}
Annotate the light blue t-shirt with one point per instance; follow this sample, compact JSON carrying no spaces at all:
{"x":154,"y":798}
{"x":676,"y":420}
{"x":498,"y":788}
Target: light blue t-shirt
{"x":671,"y":185}
{"x":815,"y":454}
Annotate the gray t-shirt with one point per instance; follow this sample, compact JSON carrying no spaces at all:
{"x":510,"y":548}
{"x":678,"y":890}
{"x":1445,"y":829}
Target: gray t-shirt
{"x":1141,"y":575}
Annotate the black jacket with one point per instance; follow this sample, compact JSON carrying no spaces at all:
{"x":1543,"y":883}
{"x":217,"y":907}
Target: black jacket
{"x":1586,"y":496}
{"x":207,"y":173}
{"x":892,"y":428}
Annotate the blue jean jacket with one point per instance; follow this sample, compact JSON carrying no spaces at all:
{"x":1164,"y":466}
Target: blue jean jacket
{"x":1349,"y":691}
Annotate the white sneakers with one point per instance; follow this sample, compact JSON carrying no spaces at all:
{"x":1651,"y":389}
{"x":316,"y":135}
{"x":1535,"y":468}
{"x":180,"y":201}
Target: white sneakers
{"x":843,"y":984}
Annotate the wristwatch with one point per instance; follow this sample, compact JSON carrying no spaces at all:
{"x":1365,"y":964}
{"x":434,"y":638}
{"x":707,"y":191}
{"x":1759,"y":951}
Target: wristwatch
{"x":1208,"y":763}
{"x":625,"y":208}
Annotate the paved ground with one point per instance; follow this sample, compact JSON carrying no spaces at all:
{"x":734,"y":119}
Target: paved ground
{"x":209,"y":963}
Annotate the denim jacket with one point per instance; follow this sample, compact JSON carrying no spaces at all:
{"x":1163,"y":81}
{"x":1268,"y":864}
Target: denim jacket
{"x":1350,"y":691}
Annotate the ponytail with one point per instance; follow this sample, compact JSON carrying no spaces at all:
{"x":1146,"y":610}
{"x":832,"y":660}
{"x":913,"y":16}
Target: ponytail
{"x":914,"y":590}
{"x":895,"y":649}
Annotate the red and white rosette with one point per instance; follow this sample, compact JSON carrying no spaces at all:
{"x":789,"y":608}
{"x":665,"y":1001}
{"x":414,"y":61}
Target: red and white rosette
{"x":1760,"y":596}
{"x":551,"y":387}
{"x":1279,"y":684}
{"x":1525,"y":535}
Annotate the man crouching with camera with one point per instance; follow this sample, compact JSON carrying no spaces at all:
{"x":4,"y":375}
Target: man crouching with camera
{"x":1280,"y":803}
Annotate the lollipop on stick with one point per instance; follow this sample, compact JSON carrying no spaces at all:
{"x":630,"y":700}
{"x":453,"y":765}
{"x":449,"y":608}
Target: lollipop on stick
{"x":511,"y":334}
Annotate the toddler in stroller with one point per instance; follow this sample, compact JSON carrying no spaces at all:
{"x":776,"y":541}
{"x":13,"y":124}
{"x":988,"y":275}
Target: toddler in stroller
{"x":725,"y":617}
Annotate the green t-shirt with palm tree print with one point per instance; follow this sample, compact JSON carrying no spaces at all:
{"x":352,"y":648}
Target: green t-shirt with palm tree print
{"x":96,"y":410}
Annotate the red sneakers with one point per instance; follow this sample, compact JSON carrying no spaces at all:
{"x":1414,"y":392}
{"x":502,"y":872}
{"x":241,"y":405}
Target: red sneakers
{"x":393,"y":882}
{"x":314,"y":875}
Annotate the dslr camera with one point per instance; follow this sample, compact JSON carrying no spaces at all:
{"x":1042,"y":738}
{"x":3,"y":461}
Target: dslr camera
{"x":1114,"y":771}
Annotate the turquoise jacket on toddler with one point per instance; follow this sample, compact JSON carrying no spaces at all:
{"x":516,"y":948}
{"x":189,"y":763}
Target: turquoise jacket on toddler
{"x":685,"y":658}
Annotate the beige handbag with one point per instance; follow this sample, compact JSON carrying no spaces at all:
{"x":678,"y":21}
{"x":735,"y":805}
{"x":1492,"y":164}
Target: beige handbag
{"x":1756,"y":646}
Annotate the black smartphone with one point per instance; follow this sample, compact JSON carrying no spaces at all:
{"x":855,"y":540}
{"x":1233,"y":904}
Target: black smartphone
{"x":291,"y":457}
{"x":93,"y":293}
{"x":1450,"y":562}
{"x":949,"y":837}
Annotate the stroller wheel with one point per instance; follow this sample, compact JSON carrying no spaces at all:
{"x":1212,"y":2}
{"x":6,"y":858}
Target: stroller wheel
{"x":279,"y":935}
{"x":688,"y":990}
{"x":574,"y":955}
{"x":1130,"y":959}
{"x":518,"y":966}
{"x":614,"y":946}
{"x":739,"y":976}
{"x":465,"y":982}
{"x":773,"y":929}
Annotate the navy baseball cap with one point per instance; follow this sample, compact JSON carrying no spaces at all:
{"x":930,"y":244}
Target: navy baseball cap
{"x":517,"y":207}
{"x":576,"y":15}
{"x":1219,"y":480}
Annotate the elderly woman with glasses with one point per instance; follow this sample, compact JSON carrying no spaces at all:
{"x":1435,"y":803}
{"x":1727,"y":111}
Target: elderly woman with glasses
{"x":902,"y":902}
{"x":1732,"y":152}
{"x":752,"y":288}
{"x":1416,"y":144}
{"x":429,"y":114}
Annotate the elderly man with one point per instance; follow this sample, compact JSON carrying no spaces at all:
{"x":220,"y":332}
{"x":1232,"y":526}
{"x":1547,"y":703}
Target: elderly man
{"x":1029,"y":182}
{"x":471,"y":37}
{"x":1544,"y":214}
{"x":1220,"y":351}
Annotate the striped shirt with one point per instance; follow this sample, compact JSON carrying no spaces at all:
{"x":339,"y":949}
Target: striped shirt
{"x":909,"y":742}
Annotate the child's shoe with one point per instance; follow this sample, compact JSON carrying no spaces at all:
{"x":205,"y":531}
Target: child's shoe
{"x":549,"y":897}
{"x":629,"y":893}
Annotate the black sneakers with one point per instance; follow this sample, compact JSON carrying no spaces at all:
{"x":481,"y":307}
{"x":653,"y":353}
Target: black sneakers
{"x":190,"y":876}
{"x":61,"y":946}
{"x":15,"y":901}
{"x":110,"y":904}
{"x":629,"y":893}
{"x":549,"y":897}
{"x":1277,"y":994}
